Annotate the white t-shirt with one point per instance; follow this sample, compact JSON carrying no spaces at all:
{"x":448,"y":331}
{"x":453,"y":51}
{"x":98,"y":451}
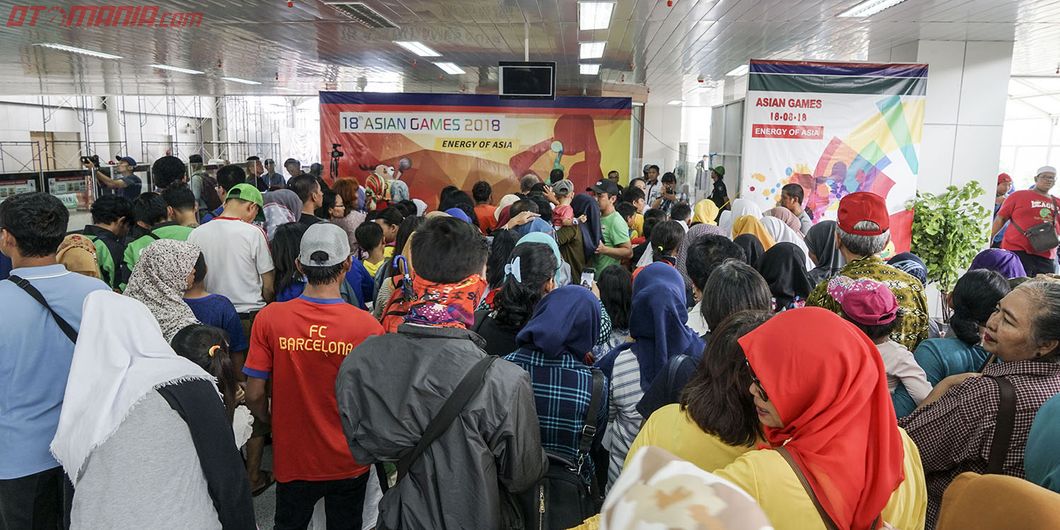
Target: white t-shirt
{"x":237,"y":254}
{"x":696,"y":321}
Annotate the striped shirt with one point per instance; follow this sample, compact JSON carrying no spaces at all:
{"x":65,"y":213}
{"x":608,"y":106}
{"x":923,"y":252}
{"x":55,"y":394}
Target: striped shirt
{"x":623,"y":419}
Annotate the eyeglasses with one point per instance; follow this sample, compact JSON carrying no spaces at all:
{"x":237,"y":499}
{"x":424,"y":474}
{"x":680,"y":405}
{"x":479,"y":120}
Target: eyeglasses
{"x":756,"y":382}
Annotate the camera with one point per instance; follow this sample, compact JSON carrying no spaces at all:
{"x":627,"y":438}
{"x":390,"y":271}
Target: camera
{"x":335,"y":151}
{"x":94,"y":160}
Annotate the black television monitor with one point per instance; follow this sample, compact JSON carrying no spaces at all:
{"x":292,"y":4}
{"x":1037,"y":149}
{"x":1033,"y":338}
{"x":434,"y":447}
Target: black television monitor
{"x":527,"y":80}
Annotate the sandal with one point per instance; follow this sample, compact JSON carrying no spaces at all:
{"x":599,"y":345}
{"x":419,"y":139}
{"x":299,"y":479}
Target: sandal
{"x":268,"y":482}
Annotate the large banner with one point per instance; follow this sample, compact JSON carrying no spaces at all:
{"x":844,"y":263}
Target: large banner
{"x":437,"y":140}
{"x":835,"y":128}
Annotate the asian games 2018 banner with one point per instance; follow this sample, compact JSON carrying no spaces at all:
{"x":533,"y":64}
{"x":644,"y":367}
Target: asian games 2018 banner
{"x":437,"y":140}
{"x":835,"y":128}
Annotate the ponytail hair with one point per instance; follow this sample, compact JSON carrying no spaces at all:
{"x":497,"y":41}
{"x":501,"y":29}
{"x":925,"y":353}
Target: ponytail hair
{"x":530,"y":268}
{"x":975,"y":296}
{"x":666,"y":238}
{"x":207,"y":347}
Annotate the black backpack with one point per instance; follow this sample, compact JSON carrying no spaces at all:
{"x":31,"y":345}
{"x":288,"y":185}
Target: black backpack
{"x":563,"y":498}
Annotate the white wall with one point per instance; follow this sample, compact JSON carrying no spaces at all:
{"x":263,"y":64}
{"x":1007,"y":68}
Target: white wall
{"x":662,"y":129}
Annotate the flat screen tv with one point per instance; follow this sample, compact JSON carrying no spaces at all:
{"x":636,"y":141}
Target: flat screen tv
{"x":527,"y":80}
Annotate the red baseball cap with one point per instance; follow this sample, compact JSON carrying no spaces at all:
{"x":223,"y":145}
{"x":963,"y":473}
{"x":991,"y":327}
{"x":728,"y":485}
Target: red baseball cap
{"x":1004,"y":178}
{"x":863,"y":206}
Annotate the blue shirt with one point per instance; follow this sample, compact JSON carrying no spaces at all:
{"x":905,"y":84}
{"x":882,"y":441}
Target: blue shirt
{"x":35,"y":363}
{"x":217,"y":310}
{"x":940,"y":358}
{"x":354,"y":285}
{"x":132,"y":188}
{"x":5,"y":266}
{"x":210,"y":215}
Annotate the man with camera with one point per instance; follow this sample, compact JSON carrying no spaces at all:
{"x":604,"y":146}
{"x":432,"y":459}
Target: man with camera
{"x":126,"y":183}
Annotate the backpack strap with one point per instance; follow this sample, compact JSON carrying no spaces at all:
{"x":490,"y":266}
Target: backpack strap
{"x":673,"y":367}
{"x":585,"y":442}
{"x":1004,"y":425}
{"x":451,"y":409}
{"x":33,"y":292}
{"x":153,"y":235}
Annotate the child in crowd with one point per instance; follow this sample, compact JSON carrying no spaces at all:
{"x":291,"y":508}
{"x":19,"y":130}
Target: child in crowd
{"x":370,"y":239}
{"x":666,"y":239}
{"x":628,"y":213}
{"x":873,"y":308}
{"x":215,"y":310}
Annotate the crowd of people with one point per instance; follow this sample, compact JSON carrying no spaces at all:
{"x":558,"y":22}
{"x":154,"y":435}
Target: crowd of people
{"x":552,"y":358}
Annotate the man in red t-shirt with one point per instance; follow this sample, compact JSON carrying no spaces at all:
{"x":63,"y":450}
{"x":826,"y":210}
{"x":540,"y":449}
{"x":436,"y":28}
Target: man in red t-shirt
{"x":482,"y":192}
{"x":300,"y":345}
{"x":1026,"y":208}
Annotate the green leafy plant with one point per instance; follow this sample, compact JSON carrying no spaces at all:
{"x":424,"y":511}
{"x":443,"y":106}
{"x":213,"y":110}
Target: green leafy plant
{"x":949,"y":229}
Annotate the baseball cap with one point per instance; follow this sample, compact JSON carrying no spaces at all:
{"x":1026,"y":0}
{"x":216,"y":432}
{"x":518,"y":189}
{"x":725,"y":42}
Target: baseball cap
{"x":195,"y":159}
{"x":564,"y":187}
{"x":863,"y":206}
{"x":323,"y":245}
{"x":865,"y":301}
{"x":720,"y":170}
{"x":606,"y":186}
{"x":248,"y":193}
{"x":1046,"y":169}
{"x":128,"y":160}
{"x":1004,"y":177}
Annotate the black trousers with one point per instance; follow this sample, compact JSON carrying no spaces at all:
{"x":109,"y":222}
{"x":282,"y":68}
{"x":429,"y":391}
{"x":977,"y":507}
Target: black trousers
{"x":40,"y":501}
{"x":343,"y":502}
{"x":1035,"y":265}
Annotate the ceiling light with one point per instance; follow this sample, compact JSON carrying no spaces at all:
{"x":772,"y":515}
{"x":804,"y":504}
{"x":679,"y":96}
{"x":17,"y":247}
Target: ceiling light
{"x":241,"y":81}
{"x":174,"y":69}
{"x":738,"y":71}
{"x":594,"y":15}
{"x":869,"y":8}
{"x":450,"y":68}
{"x":418,"y":48}
{"x":82,"y":51}
{"x":589,"y":69}
{"x":675,"y":102}
{"x":591,"y":50}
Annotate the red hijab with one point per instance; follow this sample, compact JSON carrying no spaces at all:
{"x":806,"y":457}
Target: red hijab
{"x":839,"y":423}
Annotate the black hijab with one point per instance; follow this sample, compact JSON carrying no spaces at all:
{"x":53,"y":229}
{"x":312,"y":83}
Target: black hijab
{"x":583,"y":204}
{"x":821,"y":241}
{"x":752,"y":247}
{"x":784,"y":268}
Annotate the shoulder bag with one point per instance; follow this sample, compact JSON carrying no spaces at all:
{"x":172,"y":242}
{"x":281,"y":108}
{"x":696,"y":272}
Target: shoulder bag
{"x":1041,"y":236}
{"x":827,"y":519}
{"x":68,"y":330}
{"x":1003,"y":427}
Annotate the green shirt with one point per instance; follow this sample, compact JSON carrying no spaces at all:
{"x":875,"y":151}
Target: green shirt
{"x":616,"y":233}
{"x":910,"y":294}
{"x":162,"y":231}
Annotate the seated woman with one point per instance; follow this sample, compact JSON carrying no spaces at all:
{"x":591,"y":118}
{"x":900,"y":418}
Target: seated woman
{"x":954,"y":428}
{"x":783,"y":268}
{"x":143,"y":435}
{"x":530,"y":275}
{"x":973,"y":300}
{"x":553,"y":348}
{"x":826,"y":413}
{"x":657,"y":325}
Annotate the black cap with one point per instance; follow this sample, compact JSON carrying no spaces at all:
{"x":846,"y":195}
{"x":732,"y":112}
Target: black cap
{"x":606,"y":186}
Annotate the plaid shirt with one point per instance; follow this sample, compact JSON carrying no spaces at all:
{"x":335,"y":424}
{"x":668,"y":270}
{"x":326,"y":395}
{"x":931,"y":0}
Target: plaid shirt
{"x":954,"y":434}
{"x":910,"y":294}
{"x":562,"y":390}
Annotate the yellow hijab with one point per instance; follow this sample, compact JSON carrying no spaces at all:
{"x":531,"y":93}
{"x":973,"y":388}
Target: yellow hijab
{"x":749,"y":225}
{"x":705,"y":211}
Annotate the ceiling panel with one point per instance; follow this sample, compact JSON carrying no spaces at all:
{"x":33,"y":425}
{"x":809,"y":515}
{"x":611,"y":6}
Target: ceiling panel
{"x":311,"y":46}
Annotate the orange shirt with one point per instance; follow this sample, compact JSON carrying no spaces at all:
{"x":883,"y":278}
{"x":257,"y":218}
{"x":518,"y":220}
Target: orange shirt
{"x":486,"y":221}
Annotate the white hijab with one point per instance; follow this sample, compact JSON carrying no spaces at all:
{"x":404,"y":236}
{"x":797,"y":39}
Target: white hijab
{"x":120,"y":356}
{"x":782,"y":233}
{"x":740,"y":208}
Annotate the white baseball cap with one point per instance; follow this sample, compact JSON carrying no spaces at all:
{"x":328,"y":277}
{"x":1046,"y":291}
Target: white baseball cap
{"x":324,"y":245}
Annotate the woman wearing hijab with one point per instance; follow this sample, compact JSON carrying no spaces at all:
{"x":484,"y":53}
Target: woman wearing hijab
{"x":281,"y":207}
{"x":502,"y":208}
{"x":657,"y":325}
{"x":165,"y":270}
{"x":787,"y":217}
{"x":78,"y":254}
{"x":823,"y":251}
{"x":705,"y":213}
{"x":783,"y":233}
{"x":143,"y":434}
{"x":783,"y":269}
{"x":585,"y":207}
{"x":827,"y":414}
{"x":740,"y":208}
{"x":753,"y":226}
{"x":1002,"y":261}
{"x":912,"y":264}
{"x":751,"y":246}
{"x":553,"y":347}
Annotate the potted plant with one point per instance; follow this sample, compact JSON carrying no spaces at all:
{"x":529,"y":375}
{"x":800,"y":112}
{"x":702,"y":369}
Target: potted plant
{"x":949,"y":229}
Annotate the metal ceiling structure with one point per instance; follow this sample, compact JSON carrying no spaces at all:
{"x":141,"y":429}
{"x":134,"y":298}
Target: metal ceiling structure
{"x":312,"y":46}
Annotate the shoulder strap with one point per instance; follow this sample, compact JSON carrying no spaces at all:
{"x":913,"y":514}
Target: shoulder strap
{"x":827,"y":519}
{"x":1005,"y":423}
{"x":589,"y":428}
{"x":675,"y":364}
{"x":153,"y":235}
{"x":454,"y":404}
{"x":33,"y":292}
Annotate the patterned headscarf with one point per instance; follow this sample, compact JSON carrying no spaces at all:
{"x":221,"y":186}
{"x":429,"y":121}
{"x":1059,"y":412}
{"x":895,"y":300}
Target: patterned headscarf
{"x":785,"y":215}
{"x":78,"y":254}
{"x":159,"y":281}
{"x":446,"y":304}
{"x":911,"y":264}
{"x":281,"y":207}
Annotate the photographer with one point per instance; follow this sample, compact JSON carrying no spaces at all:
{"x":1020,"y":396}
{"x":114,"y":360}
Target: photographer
{"x":128,"y":183}
{"x":668,"y":196}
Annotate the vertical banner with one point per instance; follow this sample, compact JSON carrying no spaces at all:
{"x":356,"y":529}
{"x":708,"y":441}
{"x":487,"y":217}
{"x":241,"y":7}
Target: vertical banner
{"x":438,"y":140}
{"x":835,"y":128}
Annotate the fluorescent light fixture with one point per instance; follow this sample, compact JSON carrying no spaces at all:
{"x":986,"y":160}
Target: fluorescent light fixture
{"x":594,"y":15}
{"x":450,"y":68}
{"x":869,"y":8}
{"x":591,"y":50}
{"x":82,"y":51}
{"x":241,"y":81}
{"x":589,"y":69}
{"x":738,"y":71}
{"x":418,"y":48}
{"x":174,"y":69}
{"x":675,"y":102}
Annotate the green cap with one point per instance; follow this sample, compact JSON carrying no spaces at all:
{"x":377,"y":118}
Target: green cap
{"x":248,"y":193}
{"x":720,"y":170}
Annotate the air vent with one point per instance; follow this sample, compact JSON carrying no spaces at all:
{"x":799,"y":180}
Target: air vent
{"x":360,"y":12}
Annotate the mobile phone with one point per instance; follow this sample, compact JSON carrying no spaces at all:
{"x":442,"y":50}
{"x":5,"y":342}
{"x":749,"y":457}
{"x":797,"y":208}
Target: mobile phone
{"x":587,"y":277}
